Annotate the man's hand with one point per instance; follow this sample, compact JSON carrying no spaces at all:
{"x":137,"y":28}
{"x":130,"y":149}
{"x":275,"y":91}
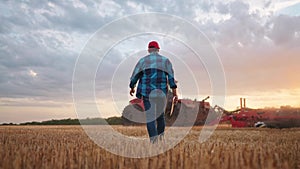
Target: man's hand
{"x":131,"y":91}
{"x":175,"y":97}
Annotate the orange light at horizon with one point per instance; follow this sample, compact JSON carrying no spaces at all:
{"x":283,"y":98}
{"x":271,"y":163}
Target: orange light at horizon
{"x":274,"y":99}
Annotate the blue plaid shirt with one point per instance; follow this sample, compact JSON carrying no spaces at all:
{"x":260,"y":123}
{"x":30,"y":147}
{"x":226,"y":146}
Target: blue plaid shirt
{"x":154,"y":73}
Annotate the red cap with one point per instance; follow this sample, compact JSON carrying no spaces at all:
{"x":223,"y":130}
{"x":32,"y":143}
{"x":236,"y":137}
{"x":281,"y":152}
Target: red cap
{"x":153,"y":44}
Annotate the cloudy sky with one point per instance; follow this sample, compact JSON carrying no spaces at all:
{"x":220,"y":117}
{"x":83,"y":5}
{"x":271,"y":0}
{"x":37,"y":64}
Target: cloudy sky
{"x":257,"y":42}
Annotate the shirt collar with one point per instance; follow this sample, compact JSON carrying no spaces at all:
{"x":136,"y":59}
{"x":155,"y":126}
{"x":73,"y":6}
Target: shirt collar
{"x":153,"y":53}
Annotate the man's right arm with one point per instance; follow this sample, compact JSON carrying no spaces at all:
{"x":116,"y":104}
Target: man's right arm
{"x":170,"y":72}
{"x":137,"y":72}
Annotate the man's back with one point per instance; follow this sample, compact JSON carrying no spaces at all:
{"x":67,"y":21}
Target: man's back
{"x":154,"y":72}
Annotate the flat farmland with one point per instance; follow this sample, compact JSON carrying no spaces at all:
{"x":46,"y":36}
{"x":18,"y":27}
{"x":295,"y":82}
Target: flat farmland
{"x":69,"y":147}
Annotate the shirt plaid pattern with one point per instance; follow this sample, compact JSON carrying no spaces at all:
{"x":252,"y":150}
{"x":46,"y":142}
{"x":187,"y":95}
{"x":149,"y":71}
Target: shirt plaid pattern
{"x":154,"y":72}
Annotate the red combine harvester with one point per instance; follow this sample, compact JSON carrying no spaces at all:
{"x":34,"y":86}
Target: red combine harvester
{"x":186,"y":110}
{"x":285,"y":117}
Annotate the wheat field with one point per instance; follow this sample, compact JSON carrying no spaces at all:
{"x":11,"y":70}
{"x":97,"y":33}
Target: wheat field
{"x":69,"y":147}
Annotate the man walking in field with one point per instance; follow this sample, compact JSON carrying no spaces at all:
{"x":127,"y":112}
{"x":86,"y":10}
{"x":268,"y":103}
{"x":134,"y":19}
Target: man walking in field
{"x":154,"y":73}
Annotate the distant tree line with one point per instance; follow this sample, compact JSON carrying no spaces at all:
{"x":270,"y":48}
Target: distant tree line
{"x":69,"y":121}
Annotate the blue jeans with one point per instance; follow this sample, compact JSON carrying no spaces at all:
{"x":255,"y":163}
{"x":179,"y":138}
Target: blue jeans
{"x":155,"y":110}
